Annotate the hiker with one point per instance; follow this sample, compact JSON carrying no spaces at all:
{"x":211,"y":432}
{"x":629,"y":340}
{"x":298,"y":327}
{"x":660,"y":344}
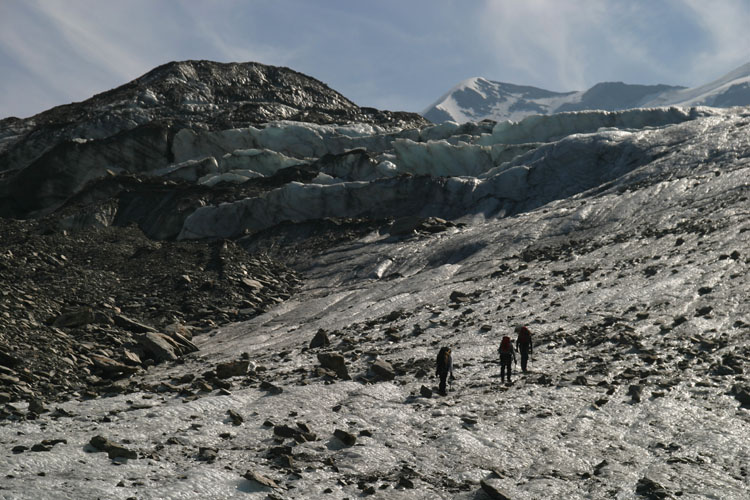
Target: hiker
{"x":523,"y":345}
{"x":506,"y":356}
{"x":443,"y":367}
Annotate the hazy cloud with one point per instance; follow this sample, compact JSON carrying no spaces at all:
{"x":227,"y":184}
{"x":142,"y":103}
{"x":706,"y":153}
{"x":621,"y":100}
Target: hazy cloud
{"x":725,"y":23}
{"x":391,"y":53}
{"x":576,"y":43}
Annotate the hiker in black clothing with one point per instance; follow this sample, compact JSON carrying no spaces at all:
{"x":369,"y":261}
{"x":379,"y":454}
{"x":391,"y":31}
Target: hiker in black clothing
{"x":506,"y":356}
{"x":444,"y":367}
{"x":523,"y":345}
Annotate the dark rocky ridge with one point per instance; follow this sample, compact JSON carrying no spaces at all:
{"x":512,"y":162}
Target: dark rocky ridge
{"x":195,"y":94}
{"x":147,"y":112}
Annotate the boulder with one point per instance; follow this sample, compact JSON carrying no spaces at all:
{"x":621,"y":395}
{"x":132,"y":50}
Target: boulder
{"x":405,"y":482}
{"x":635,"y":392}
{"x":186,"y":346}
{"x":335,"y":362}
{"x":36,"y":406}
{"x":159,"y":346}
{"x":270,"y":388}
{"x":178,"y":328}
{"x":208,"y":454}
{"x":75,"y":318}
{"x":110,"y":367}
{"x":9,"y":360}
{"x":236,"y":418}
{"x":493,"y":491}
{"x":113,"y":450}
{"x":320,"y":340}
{"x":284,"y":431}
{"x":383,"y":370}
{"x":131,"y":324}
{"x":742,"y":394}
{"x":232,"y":368}
{"x":405,"y":225}
{"x":345,"y":437}
{"x":650,"y":489}
{"x":260,"y":479}
{"x":251,"y":284}
{"x":131,"y":358}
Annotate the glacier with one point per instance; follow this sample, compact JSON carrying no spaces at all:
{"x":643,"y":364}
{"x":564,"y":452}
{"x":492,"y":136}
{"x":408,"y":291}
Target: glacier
{"x":514,"y":168}
{"x":620,"y":238}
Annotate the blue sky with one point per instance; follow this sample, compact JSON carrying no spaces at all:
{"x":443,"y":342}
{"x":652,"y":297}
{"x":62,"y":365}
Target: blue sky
{"x":389,"y":54}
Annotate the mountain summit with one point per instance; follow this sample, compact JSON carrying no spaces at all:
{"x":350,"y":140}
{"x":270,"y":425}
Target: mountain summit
{"x":148,"y":111}
{"x":194,"y":94}
{"x":477,"y":99}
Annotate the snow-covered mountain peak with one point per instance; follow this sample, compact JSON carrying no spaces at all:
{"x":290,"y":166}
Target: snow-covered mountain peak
{"x":732,"y":89}
{"x":477,"y":98}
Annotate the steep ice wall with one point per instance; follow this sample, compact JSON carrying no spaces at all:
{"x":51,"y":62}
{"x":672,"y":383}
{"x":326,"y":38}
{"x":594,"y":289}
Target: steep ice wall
{"x":558,"y":170}
{"x":299,"y":202}
{"x":261,"y":161}
{"x":439,"y":158}
{"x":298,"y":140}
{"x":462,"y":180}
{"x":546,"y":128}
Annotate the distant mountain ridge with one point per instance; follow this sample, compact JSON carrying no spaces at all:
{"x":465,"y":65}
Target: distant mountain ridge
{"x":477,"y":99}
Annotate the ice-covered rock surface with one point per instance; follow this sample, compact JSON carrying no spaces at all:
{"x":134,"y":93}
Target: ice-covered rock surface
{"x":131,"y":128}
{"x":516,"y":167}
{"x":624,"y":250}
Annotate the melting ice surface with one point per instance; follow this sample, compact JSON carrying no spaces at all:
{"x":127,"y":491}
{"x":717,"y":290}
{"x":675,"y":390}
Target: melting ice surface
{"x":605,"y":269}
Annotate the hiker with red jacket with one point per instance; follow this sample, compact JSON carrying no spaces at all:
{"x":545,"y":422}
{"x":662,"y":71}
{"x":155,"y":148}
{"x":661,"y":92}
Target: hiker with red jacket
{"x":506,"y":356}
{"x":444,"y":366}
{"x":523,"y":345}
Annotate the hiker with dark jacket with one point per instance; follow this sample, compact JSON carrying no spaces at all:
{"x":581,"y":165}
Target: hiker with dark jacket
{"x":523,"y":345}
{"x":444,"y":367}
{"x":506,"y":356}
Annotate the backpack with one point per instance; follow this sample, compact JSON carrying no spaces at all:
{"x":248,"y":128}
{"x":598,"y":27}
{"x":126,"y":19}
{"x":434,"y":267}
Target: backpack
{"x":524,"y":335}
{"x":442,"y":359}
{"x":505,"y":345}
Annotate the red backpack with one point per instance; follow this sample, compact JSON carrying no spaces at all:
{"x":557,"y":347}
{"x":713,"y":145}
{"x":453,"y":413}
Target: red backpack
{"x":505,"y":345}
{"x":524,"y":335}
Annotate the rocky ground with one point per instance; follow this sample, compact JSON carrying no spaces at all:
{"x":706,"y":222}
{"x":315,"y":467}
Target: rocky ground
{"x":636,"y":388}
{"x":81,"y":311}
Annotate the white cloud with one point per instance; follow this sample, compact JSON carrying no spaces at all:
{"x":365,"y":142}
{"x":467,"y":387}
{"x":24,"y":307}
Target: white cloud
{"x":71,"y":49}
{"x":223,"y":39}
{"x":396,"y":52}
{"x":725,"y":23}
{"x":573,"y":44}
{"x":94,"y":38}
{"x":539,"y":38}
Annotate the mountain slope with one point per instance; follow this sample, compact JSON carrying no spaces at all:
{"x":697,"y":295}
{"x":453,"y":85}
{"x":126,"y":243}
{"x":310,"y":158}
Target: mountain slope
{"x":634,"y":290}
{"x":732,"y":89}
{"x":320,"y":267}
{"x":479,"y":99}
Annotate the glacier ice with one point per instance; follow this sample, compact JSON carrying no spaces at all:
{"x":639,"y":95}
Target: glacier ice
{"x":545,"y":128}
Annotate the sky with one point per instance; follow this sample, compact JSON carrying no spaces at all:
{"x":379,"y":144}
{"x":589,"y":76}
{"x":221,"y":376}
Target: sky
{"x":389,"y":54}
